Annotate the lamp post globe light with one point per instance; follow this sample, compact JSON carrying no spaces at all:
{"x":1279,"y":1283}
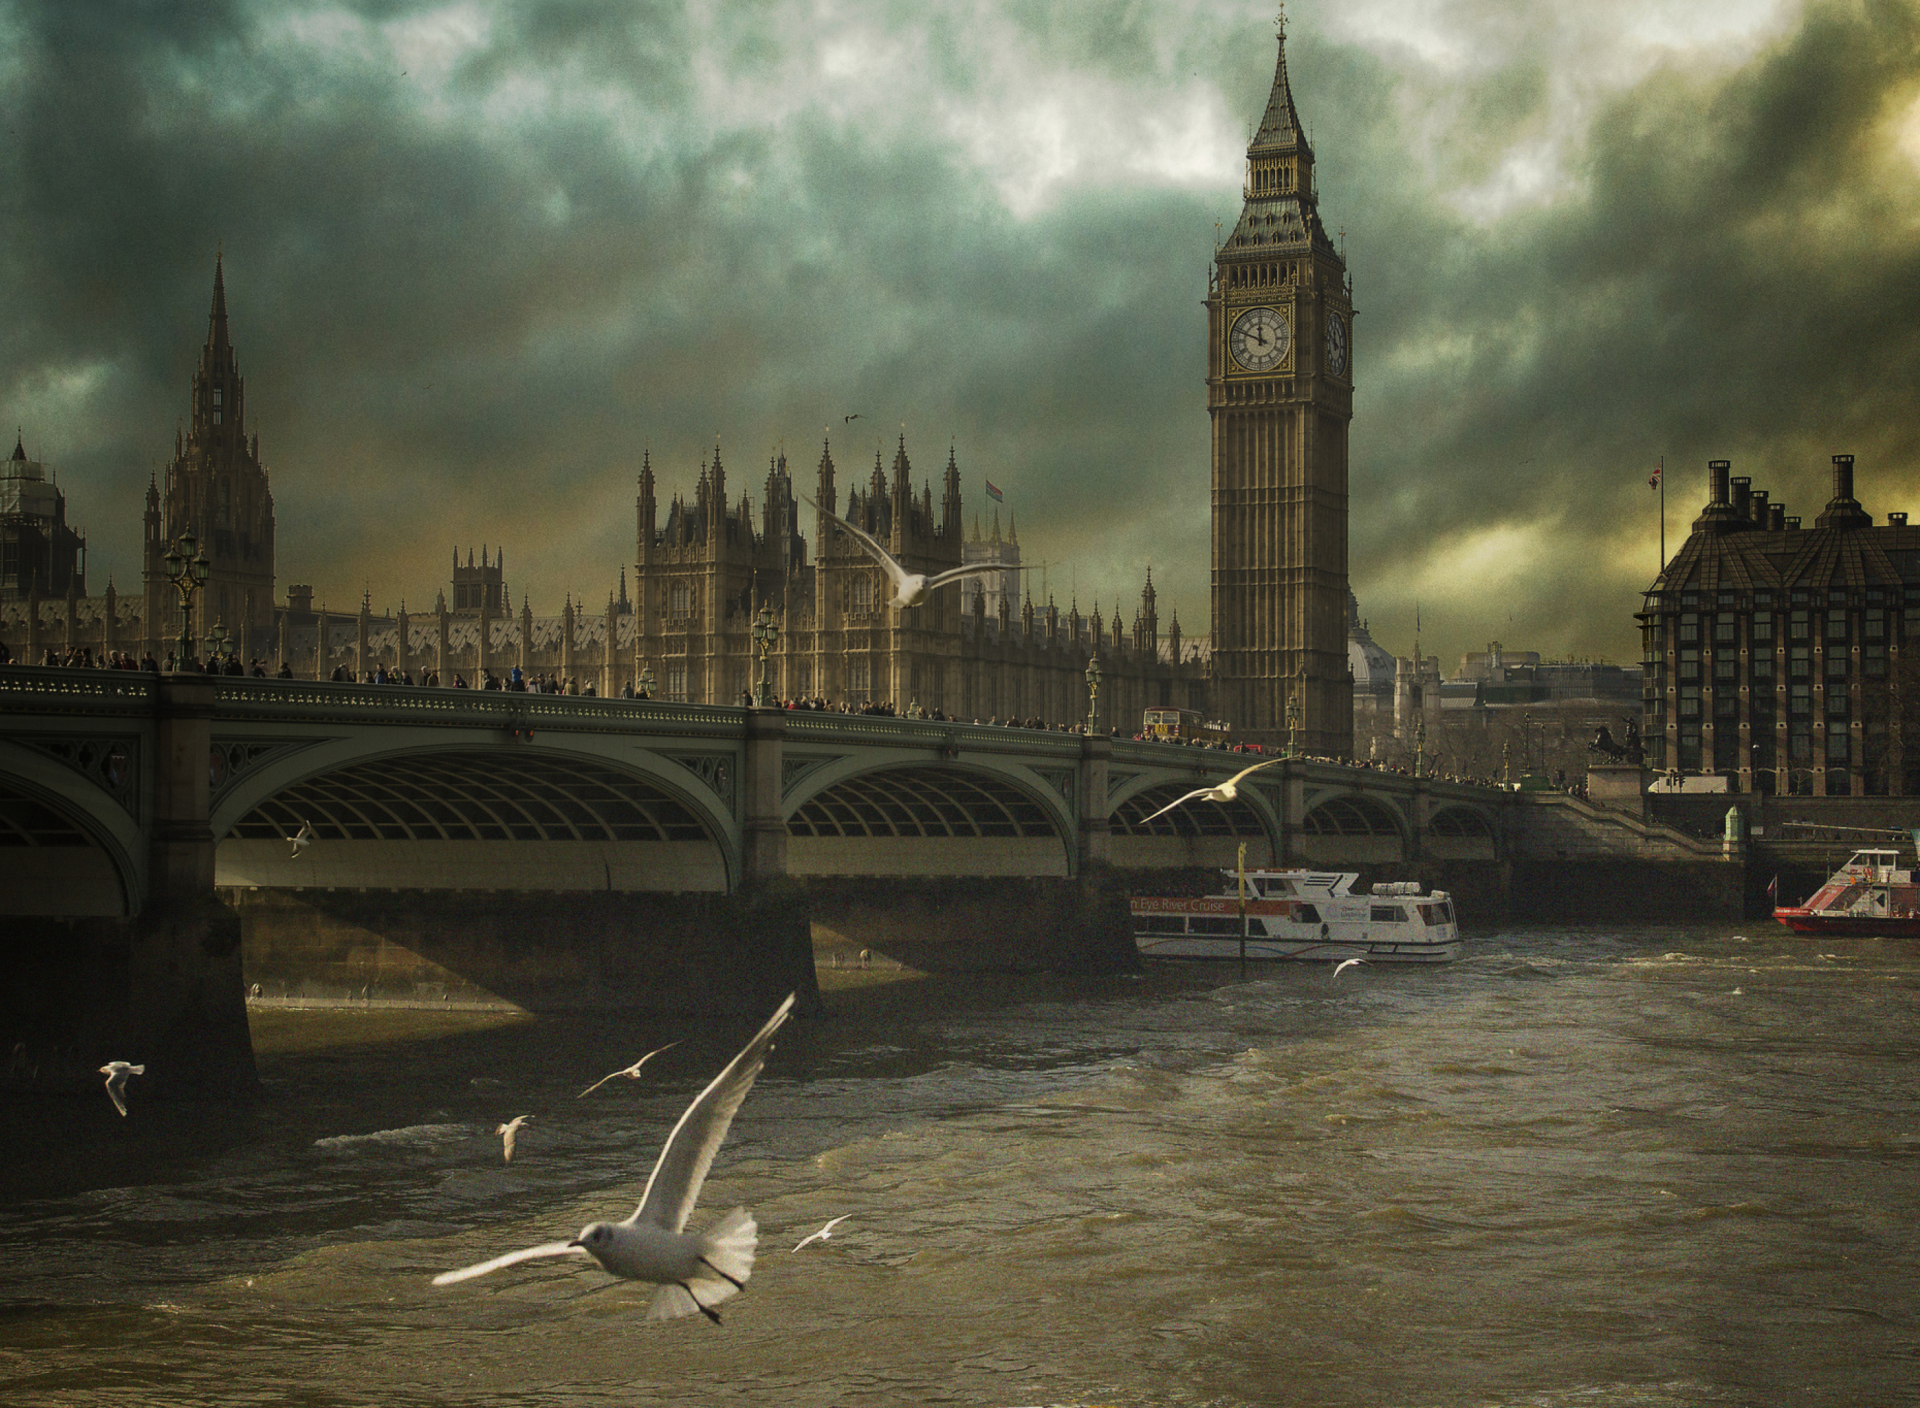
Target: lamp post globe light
{"x":1093,"y":692}
{"x":187,"y":569}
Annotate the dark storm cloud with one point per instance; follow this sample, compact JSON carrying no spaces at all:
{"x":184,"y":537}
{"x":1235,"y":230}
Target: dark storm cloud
{"x":479,"y":256}
{"x":1740,"y":278}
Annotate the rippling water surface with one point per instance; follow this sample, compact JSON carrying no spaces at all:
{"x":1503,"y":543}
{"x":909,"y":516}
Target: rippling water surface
{"x":1592,"y":1167}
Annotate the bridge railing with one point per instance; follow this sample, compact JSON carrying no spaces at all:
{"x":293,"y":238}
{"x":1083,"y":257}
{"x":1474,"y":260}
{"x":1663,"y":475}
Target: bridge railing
{"x":36,"y":689}
{"x":418,"y":704}
{"x":827,"y":726}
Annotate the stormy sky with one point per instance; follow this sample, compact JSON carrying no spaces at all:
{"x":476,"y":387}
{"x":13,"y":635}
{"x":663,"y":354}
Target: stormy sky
{"x":480,"y":255}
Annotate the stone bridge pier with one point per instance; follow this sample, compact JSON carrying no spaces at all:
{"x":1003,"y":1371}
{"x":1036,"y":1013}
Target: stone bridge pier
{"x":160,"y":985}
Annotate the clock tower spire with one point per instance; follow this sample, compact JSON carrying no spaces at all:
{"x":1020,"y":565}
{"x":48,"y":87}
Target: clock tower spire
{"x":1280,"y":395}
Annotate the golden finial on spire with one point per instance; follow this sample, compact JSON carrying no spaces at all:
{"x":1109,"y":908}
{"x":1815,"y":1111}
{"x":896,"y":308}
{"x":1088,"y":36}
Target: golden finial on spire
{"x":1280,"y":20}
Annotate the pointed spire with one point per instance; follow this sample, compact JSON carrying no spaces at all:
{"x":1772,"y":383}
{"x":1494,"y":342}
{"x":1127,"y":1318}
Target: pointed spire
{"x":1280,"y":123}
{"x":19,"y":445}
{"x":217,"y":339}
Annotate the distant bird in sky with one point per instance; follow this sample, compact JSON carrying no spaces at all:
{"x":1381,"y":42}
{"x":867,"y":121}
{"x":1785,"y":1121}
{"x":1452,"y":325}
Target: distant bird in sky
{"x":1225,"y":792}
{"x":1348,"y":963}
{"x":630,"y":1072}
{"x":509,"y":1133}
{"x":301,"y":839}
{"x":693,"y":1270}
{"x":911,"y":588}
{"x":116,"y":1073}
{"x":825,"y":1232}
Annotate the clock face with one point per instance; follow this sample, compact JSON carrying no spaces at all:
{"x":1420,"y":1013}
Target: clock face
{"x":1260,"y":339}
{"x":1336,"y":344}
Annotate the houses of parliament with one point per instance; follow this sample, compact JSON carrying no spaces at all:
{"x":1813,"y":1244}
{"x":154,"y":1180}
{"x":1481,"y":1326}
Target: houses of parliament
{"x":706,"y":563}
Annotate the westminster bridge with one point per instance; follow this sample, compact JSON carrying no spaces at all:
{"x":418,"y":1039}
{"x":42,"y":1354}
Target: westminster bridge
{"x":493,"y":846}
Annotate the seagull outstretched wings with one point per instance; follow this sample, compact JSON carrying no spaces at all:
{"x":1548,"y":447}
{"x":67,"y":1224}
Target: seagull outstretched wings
{"x":911,"y":588}
{"x":1225,"y":792}
{"x":693,"y":1270}
{"x":630,"y":1072}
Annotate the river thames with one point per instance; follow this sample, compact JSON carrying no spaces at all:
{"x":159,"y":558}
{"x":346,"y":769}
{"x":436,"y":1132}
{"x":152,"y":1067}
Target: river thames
{"x":1584,"y":1167}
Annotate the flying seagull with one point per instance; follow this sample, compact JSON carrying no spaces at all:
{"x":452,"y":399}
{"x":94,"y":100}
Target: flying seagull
{"x":1225,"y":792}
{"x":825,"y":1233}
{"x":508,"y":1132}
{"x":845,"y":420}
{"x":301,"y":839}
{"x":116,"y":1073}
{"x":911,"y":588}
{"x":1345,"y":964}
{"x":630,"y":1072}
{"x":693,"y":1270}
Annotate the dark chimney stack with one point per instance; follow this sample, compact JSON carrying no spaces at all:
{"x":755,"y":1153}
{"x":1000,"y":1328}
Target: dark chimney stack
{"x":1717,"y":472}
{"x":1758,"y":507}
{"x":1742,"y":492}
{"x":1843,"y":510}
{"x":1777,"y":518}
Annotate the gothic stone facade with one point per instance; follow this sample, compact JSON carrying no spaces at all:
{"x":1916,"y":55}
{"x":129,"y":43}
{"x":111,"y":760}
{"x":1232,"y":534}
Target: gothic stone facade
{"x":706,"y":566}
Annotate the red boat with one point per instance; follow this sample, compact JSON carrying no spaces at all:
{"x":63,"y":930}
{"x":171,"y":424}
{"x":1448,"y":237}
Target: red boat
{"x":1869,"y":896}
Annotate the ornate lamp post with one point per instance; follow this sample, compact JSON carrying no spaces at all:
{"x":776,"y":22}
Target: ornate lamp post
{"x":1093,"y":692}
{"x":187,"y":569}
{"x":1420,"y":744}
{"x":646,"y":682}
{"x":766,"y":635}
{"x":219,"y":644}
{"x":1293,"y":724}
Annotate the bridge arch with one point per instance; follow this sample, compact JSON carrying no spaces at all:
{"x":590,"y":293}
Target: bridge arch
{"x":1352,"y":827}
{"x":461,"y":818}
{"x":1461,"y":832}
{"x":928,"y":818}
{"x":1198,"y":833}
{"x":57,"y":855}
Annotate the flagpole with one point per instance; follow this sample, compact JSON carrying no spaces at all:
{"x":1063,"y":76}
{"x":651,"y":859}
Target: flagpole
{"x":1663,"y":513}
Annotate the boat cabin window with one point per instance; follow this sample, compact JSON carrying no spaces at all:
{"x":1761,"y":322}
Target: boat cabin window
{"x":1306,"y":913}
{"x":1441,"y":913}
{"x":1388,"y":914}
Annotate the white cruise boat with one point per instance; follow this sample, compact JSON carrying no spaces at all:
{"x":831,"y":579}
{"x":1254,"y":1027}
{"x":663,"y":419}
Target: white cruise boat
{"x":1306,"y":915}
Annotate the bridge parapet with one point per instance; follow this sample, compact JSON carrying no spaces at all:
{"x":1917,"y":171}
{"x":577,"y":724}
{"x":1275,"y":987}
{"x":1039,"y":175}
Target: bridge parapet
{"x":415,"y":705}
{"x":33,"y":689}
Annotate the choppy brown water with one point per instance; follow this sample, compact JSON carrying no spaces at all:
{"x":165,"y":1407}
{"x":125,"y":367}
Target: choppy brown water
{"x":1587,"y":1168}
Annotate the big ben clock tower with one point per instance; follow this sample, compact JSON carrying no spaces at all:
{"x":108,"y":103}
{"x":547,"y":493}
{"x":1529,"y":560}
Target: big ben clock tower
{"x":1280,"y":394}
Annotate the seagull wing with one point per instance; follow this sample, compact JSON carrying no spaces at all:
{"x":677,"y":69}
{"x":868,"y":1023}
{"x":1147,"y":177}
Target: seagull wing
{"x":675,"y":1184}
{"x":1346,"y":964}
{"x":114,"y":1083}
{"x":895,"y":571}
{"x":467,"y":1273}
{"x":1247,"y":772}
{"x":602,"y":1081}
{"x":1176,"y":802}
{"x":972,"y":569}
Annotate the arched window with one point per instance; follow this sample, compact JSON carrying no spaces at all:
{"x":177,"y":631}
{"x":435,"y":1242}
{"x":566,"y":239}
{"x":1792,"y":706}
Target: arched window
{"x":680,"y":601}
